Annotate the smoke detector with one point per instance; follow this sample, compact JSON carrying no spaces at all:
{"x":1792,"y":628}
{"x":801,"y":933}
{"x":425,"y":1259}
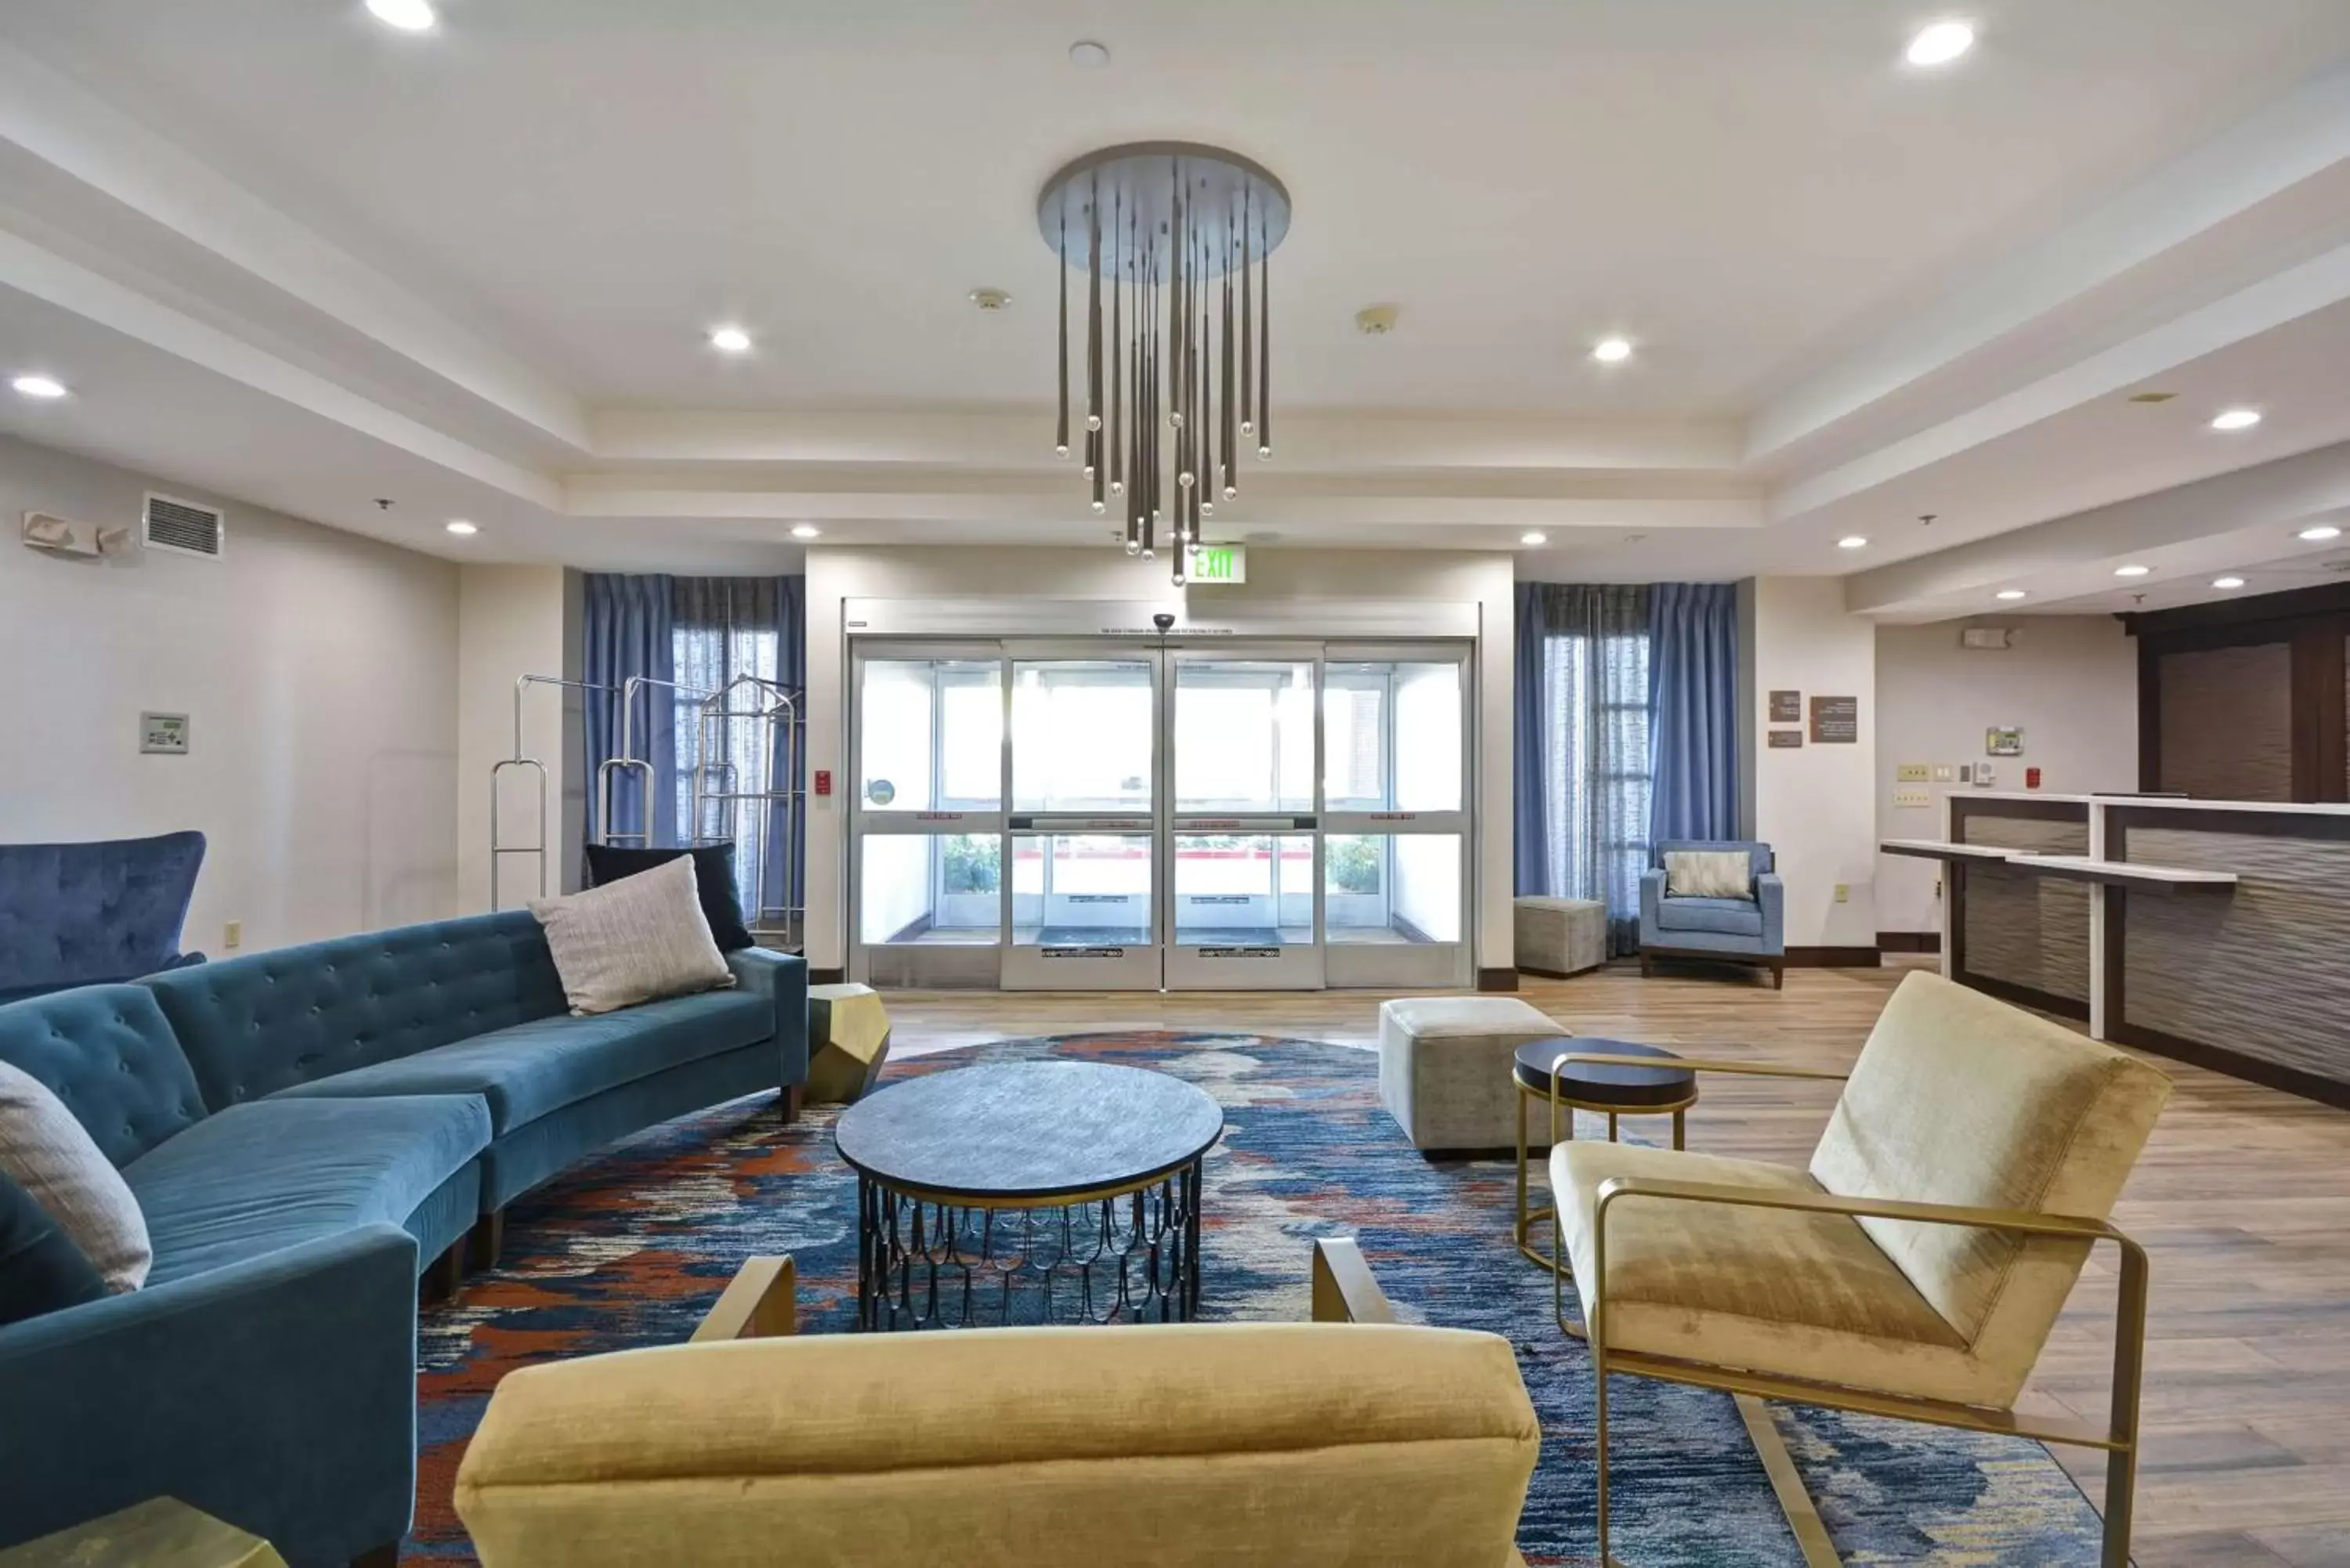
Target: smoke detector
{"x":992,"y":299}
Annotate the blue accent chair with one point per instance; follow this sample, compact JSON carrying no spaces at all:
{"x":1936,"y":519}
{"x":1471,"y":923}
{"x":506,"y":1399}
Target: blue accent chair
{"x":308,"y":1131}
{"x":1753,"y":929}
{"x":87,"y":914}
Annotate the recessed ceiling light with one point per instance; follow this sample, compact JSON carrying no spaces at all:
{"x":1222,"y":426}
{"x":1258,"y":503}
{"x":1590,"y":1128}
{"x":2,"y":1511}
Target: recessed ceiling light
{"x":730,"y":340}
{"x":2227,"y":582}
{"x":39,"y":386}
{"x":1612,"y":350}
{"x":2237,"y":420}
{"x":805,"y":531}
{"x":408,"y":15}
{"x":990,"y":299}
{"x":2131,"y":571}
{"x":1533,"y":538}
{"x":1089,"y":56}
{"x":461,"y":528}
{"x":1940,"y":44}
{"x":2317,"y":536}
{"x":2008,"y":594}
{"x":1851,"y":541}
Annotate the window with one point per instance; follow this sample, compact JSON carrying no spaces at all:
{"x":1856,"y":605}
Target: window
{"x":1592,"y":735}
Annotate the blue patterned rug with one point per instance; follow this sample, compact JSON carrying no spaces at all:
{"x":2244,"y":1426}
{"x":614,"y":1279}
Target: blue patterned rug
{"x":632,"y":1247}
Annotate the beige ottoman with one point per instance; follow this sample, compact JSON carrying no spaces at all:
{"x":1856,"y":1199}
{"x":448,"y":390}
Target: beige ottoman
{"x":1445,"y":1069}
{"x":1560,"y":936}
{"x":848,"y":1039}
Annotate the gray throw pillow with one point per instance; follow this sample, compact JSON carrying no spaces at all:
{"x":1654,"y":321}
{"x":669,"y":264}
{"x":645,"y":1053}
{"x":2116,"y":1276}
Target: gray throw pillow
{"x":51,"y":1156}
{"x":1709,"y":874}
{"x":638,"y":940}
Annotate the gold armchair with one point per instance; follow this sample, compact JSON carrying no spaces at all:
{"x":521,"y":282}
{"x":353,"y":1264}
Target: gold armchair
{"x":1347,"y":1440}
{"x":1913,"y":1271}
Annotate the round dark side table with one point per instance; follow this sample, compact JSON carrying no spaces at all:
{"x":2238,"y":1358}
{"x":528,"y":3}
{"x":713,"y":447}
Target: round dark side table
{"x":1661,"y":1090}
{"x":1028,"y":1192}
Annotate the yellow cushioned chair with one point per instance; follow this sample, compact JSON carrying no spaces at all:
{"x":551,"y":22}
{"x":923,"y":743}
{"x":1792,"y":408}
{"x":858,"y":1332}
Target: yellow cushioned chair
{"x":1914,"y":1270}
{"x":1352,"y":1442}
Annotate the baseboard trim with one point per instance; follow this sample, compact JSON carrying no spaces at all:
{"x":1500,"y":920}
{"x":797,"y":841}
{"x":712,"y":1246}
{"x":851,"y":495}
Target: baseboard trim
{"x":1908,"y":941}
{"x":2025,"y":996}
{"x":2234,"y":1063}
{"x":1834,"y":958}
{"x":1497,"y":980}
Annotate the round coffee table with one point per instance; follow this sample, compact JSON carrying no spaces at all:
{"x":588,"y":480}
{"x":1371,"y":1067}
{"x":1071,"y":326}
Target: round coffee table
{"x":1661,"y":1090}
{"x":1028,"y":1192}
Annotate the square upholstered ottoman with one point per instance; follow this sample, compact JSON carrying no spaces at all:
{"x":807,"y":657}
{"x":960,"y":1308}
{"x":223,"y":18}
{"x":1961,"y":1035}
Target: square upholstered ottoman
{"x":1559,"y":936}
{"x":1446,"y":1068}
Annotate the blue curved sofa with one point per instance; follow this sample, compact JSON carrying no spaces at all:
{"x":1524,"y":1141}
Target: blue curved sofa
{"x":307,"y":1130}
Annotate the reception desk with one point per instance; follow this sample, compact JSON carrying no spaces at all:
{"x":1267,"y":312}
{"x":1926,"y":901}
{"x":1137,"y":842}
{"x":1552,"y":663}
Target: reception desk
{"x":2216,"y":932}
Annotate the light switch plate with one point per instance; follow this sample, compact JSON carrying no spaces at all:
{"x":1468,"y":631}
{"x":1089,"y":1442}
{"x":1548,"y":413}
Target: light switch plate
{"x":233,"y":935}
{"x":1842,"y":893}
{"x":1913,"y":772}
{"x":1944,"y":773}
{"x":1913,"y":799}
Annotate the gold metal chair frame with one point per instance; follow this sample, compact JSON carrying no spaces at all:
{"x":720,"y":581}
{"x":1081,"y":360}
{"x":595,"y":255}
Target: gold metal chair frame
{"x":2118,"y":1439}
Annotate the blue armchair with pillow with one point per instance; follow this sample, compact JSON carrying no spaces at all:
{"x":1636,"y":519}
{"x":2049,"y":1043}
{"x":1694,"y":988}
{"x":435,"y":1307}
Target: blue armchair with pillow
{"x":87,"y":914}
{"x":1698,"y":901}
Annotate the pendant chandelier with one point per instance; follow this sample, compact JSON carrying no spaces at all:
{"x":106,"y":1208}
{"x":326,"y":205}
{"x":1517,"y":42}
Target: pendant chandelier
{"x":1170,"y":240}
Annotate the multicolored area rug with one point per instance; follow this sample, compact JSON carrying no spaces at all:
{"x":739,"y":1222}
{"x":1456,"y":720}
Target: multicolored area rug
{"x":632,"y":1249}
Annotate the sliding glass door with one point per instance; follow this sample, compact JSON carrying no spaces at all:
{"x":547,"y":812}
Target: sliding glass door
{"x":1089,"y":814}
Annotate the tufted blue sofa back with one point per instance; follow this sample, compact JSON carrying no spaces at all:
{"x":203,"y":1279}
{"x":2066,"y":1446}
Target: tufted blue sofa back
{"x":106,"y":1052}
{"x":77,"y":914}
{"x":251,"y":1026}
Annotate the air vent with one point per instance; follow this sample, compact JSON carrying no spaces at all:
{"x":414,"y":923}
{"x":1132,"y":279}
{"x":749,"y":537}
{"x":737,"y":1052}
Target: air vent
{"x":183,"y":527}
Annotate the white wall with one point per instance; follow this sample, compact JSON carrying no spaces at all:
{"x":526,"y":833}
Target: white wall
{"x":510,"y":621}
{"x":1817,"y":806}
{"x":2069,"y":681}
{"x":318,"y":670}
{"x":834,"y":575}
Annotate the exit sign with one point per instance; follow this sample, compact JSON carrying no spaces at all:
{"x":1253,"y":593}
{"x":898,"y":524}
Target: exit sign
{"x":1219,"y":564}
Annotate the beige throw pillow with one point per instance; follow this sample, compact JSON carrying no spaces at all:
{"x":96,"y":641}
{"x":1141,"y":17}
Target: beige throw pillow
{"x":638,"y":940}
{"x":1709,"y":874}
{"x":50,"y":1155}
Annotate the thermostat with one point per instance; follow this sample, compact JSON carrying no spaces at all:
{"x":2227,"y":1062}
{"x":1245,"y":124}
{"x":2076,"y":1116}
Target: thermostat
{"x":164,"y":735}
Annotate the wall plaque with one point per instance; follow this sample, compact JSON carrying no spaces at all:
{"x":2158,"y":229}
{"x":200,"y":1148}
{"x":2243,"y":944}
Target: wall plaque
{"x":1836,"y":720}
{"x":1786,"y":740}
{"x":1786,"y":707}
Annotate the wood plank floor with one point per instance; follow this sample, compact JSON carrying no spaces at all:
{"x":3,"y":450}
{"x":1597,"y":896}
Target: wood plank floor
{"x":2243,"y":1201}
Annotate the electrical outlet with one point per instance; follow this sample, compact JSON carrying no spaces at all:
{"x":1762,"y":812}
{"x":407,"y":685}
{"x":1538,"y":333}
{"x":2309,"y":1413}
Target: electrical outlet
{"x":1844,"y":893}
{"x":1944,"y":773}
{"x":1913,"y":799}
{"x":1913,"y":772}
{"x":233,"y":935}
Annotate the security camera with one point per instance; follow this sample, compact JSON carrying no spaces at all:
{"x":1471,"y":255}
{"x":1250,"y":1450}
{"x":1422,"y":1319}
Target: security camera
{"x":1163,"y":620}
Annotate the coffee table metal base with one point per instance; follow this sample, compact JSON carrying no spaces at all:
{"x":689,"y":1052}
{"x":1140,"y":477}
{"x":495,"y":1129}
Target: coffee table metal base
{"x":1125,"y":1254}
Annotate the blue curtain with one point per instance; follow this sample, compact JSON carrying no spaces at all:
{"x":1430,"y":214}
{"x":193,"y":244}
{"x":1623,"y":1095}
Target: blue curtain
{"x":628,"y":632}
{"x":1693,"y":711}
{"x":1531,"y":744}
{"x":789,"y":764}
{"x":699,"y":635}
{"x":1582,"y":728}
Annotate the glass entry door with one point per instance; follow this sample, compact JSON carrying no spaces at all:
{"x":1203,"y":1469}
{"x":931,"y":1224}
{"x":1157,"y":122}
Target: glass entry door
{"x":1242,"y":853}
{"x":1094,"y":816}
{"x":1084,"y":900}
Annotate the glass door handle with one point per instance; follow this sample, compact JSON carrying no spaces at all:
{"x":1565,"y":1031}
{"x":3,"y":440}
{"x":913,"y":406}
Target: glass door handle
{"x":1189,"y":823}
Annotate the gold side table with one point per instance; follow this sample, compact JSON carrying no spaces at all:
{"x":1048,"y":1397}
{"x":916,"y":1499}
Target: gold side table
{"x":1609,"y":1091}
{"x":161,"y":1533}
{"x":849,"y":1041}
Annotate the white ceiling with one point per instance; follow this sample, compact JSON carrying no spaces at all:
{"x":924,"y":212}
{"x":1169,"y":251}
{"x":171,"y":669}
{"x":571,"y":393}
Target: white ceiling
{"x":290,"y":254}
